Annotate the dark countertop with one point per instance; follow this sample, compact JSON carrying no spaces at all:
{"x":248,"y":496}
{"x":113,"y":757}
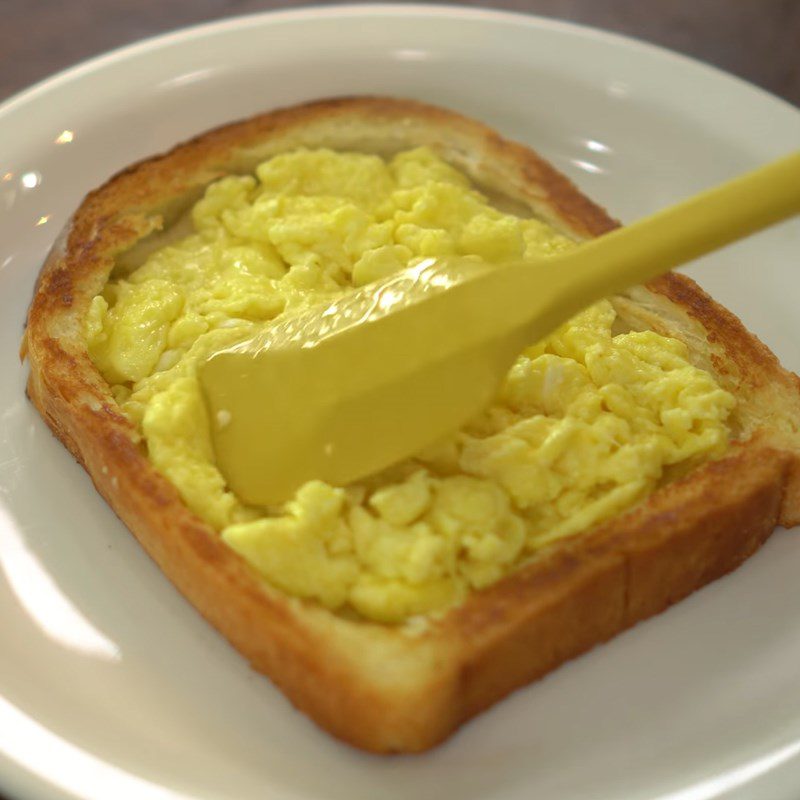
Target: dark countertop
{"x":756,"y":39}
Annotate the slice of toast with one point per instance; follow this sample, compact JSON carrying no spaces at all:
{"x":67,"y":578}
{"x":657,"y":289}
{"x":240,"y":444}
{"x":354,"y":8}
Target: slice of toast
{"x":393,"y":688}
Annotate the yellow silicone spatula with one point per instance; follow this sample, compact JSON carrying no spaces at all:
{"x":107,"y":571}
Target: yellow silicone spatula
{"x":341,"y":391}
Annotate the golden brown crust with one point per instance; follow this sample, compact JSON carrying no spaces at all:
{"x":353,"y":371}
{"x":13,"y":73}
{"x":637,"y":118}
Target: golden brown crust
{"x":377,"y":687}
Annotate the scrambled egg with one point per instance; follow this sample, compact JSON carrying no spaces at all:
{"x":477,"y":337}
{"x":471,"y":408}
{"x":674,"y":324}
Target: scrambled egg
{"x":585,"y":425}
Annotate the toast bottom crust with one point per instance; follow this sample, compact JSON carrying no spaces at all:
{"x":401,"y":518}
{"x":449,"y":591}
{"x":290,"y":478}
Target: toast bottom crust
{"x":562,"y":604}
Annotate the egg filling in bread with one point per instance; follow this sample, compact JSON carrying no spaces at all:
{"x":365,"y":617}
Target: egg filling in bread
{"x":587,"y":422}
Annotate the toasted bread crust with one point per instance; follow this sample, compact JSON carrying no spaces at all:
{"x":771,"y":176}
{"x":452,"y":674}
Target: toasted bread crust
{"x":377,"y":687}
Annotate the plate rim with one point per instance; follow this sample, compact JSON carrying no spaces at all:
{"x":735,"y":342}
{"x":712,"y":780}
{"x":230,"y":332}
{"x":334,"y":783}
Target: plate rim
{"x":157,"y":41}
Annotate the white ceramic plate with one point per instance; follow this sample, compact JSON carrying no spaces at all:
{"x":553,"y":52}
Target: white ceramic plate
{"x":111,"y":686}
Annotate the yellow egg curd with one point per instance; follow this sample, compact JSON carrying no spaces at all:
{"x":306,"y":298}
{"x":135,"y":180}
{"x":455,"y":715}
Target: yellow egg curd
{"x":585,"y":425}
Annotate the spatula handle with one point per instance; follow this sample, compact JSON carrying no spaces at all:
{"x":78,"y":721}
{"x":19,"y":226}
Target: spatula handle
{"x":638,"y":252}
